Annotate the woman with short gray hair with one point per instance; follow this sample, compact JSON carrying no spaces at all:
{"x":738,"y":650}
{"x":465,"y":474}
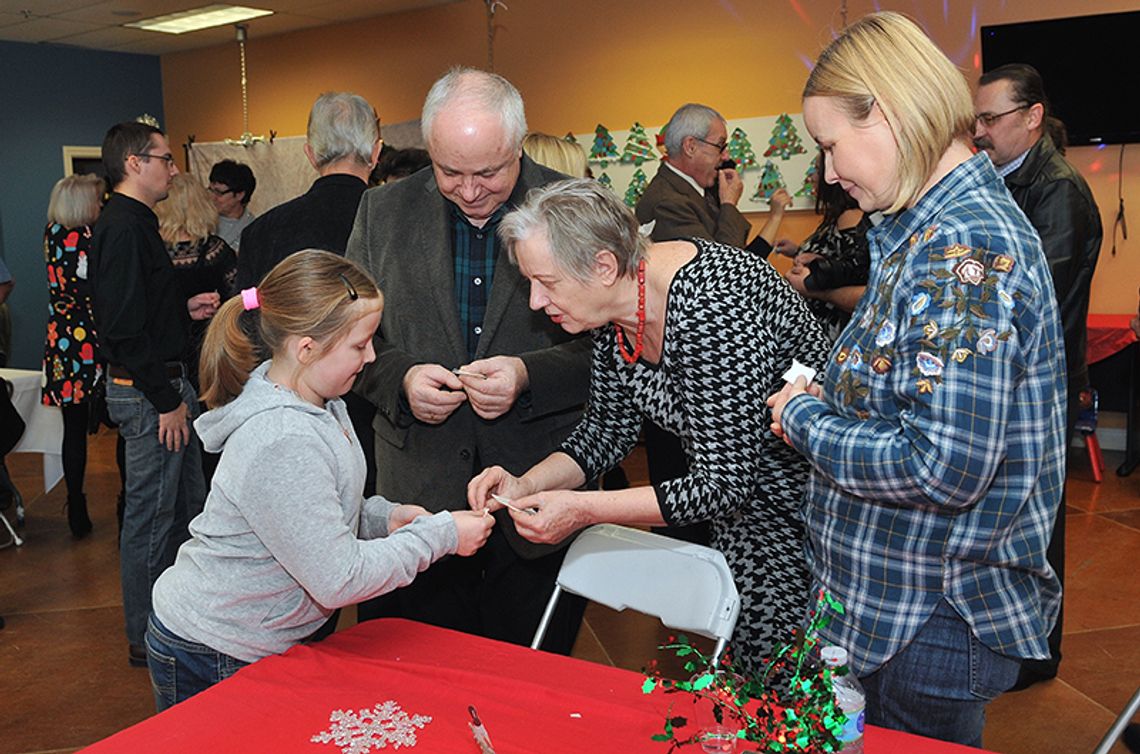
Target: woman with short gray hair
{"x":693,"y":335}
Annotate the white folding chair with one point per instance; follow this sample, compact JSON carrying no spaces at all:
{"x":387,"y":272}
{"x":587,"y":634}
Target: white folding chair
{"x":688,"y":587}
{"x":1119,"y":724}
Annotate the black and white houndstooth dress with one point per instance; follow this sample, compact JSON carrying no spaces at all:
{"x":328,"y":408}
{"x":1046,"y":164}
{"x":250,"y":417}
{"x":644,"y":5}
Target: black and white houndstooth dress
{"x":732,"y":328}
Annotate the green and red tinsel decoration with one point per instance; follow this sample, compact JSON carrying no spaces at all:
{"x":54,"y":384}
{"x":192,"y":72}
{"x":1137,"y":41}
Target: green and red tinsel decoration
{"x":740,"y":150}
{"x":603,"y":149}
{"x":789,"y":707}
{"x":637,"y":147}
{"x":770,"y":181}
{"x":636,"y":187}
{"x":785,"y":140}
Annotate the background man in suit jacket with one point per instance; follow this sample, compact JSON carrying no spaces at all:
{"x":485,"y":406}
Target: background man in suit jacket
{"x":454,"y":301}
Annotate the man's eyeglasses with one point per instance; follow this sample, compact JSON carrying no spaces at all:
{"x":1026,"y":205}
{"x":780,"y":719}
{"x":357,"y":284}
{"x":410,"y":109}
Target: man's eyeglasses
{"x":718,"y":146}
{"x":219,"y":191}
{"x":167,"y":158}
{"x":988,"y":119}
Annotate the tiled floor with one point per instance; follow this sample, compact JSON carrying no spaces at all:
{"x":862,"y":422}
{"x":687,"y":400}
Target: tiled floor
{"x":65,"y":682}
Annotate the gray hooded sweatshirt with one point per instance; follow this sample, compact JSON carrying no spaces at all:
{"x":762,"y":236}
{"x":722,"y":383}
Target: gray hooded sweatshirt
{"x":286,"y":536}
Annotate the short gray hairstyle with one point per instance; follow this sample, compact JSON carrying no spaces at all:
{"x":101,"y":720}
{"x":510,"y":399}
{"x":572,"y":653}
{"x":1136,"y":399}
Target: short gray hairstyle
{"x":489,"y":91}
{"x":578,"y":217}
{"x":689,"y":120}
{"x":342,"y":125}
{"x":75,"y":200}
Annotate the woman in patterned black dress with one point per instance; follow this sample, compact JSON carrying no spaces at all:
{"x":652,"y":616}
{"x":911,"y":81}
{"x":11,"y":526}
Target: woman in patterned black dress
{"x":717,"y":329}
{"x":203,"y":263}
{"x":70,"y":350}
{"x":832,"y":265}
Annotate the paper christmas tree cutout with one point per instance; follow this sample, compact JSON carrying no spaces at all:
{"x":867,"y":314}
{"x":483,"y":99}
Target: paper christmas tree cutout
{"x":606,"y":181}
{"x":637,"y":147}
{"x":770,"y":180}
{"x":785,"y":140}
{"x":808,"y":189}
{"x":740,"y":150}
{"x":636,"y":187}
{"x":570,"y":137}
{"x":603,"y":150}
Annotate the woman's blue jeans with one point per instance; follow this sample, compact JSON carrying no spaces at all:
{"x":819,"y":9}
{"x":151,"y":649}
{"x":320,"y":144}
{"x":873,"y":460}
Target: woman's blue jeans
{"x":939,"y":684}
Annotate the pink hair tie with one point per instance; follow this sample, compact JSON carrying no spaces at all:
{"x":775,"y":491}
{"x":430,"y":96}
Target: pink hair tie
{"x":249,"y":299}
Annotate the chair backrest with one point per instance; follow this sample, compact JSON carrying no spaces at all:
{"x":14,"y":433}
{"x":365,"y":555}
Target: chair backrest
{"x":688,"y":586}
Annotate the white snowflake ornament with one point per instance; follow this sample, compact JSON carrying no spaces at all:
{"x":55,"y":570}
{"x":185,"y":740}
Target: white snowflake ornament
{"x":361,"y":731}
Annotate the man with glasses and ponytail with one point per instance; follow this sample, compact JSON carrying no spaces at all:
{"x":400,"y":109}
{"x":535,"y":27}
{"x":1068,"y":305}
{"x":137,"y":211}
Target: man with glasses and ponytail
{"x":1014,"y":128}
{"x":144,"y":326}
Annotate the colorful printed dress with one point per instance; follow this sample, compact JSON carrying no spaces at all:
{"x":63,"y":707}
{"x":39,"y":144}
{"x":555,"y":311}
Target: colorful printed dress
{"x":71,"y":348}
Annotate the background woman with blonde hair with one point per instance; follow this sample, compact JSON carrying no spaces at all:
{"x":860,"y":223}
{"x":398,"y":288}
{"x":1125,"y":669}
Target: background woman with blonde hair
{"x":936,"y":439}
{"x":72,"y":370}
{"x":558,"y":154}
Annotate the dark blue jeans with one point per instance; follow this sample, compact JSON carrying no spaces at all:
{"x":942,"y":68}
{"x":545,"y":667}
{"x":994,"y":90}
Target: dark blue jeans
{"x":179,"y":668}
{"x":939,"y":684}
{"x":164,"y":490}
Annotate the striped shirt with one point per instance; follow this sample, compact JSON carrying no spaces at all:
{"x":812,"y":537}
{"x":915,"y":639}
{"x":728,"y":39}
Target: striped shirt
{"x":938,"y":449}
{"x":476,"y":251}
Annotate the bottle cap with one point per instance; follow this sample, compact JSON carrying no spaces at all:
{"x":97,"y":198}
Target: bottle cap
{"x":834,"y":656}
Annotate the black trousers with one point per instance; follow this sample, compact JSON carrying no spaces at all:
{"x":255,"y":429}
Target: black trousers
{"x":74,"y":447}
{"x":494,"y":593}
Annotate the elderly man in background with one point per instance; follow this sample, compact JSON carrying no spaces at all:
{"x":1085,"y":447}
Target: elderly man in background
{"x":1012,"y":127}
{"x":231,"y":187}
{"x":466,"y":376}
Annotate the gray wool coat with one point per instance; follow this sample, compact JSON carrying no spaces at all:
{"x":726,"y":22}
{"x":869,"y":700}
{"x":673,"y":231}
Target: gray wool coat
{"x":402,"y":236}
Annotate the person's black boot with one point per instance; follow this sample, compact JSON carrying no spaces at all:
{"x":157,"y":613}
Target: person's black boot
{"x":77,"y":519}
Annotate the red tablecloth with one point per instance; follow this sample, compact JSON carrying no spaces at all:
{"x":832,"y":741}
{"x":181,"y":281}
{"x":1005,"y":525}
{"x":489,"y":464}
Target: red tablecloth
{"x":1108,"y":333}
{"x":531,"y":702}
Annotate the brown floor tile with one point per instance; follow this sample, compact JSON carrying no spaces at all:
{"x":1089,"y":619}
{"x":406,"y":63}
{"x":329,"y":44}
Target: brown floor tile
{"x":66,"y":681}
{"x":1049,"y":718}
{"x":1130,"y":518}
{"x":1100,"y":574}
{"x":1114,"y":493}
{"x":1103,"y":665}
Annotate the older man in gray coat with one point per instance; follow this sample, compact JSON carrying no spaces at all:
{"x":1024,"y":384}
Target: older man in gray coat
{"x":466,"y":375}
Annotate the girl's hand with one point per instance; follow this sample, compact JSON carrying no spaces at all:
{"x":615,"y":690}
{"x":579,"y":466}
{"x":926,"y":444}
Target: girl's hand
{"x":402,"y":515}
{"x":473,"y":529}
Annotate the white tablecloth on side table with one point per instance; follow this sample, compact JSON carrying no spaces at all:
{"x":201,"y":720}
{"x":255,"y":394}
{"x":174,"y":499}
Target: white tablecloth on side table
{"x":45,"y":423}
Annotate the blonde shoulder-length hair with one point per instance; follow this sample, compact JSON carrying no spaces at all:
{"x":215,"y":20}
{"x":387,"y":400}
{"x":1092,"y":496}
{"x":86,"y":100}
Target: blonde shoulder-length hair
{"x":75,"y":200}
{"x":187,"y":211}
{"x":886,"y":59}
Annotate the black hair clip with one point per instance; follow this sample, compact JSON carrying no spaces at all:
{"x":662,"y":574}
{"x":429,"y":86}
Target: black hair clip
{"x":352,"y":294}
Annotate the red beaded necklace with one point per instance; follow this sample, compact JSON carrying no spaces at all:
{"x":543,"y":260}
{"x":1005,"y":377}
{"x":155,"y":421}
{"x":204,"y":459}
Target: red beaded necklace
{"x":639,"y":338}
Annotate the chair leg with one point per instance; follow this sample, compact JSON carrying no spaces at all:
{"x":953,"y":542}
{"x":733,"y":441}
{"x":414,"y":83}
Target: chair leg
{"x":1096,"y":460}
{"x":542,"y":624}
{"x":12,"y":532}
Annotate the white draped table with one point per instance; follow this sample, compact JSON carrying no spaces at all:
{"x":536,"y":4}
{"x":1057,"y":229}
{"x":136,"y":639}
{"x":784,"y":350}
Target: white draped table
{"x":45,"y":423}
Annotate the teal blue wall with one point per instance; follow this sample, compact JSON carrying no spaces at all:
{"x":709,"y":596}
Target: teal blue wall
{"x":51,"y":96}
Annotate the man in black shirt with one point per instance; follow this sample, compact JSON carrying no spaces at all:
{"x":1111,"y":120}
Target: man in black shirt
{"x":143,"y":329}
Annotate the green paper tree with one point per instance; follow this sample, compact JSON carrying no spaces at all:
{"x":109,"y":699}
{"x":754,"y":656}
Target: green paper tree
{"x":785,"y":140}
{"x":570,"y":137}
{"x":740,"y":150}
{"x":637,"y":147}
{"x":636,"y":187}
{"x":770,"y":180}
{"x":808,"y":189}
{"x":606,"y":181}
{"x":603,"y":150}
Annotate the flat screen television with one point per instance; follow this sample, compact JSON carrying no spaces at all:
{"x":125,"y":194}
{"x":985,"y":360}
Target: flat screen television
{"x":1091,"y":68}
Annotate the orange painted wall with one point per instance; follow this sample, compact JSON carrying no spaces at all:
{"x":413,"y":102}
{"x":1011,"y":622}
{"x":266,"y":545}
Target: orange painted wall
{"x":592,"y":60}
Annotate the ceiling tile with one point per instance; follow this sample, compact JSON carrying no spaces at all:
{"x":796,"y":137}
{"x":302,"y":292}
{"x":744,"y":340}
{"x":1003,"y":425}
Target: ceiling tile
{"x":118,"y":12}
{"x":44,"y":30}
{"x":46,"y":7}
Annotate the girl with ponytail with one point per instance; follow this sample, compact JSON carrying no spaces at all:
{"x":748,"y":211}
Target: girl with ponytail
{"x":286,"y":536}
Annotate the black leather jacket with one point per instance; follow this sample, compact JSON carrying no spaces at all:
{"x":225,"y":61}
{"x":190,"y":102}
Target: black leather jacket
{"x":1060,"y":206}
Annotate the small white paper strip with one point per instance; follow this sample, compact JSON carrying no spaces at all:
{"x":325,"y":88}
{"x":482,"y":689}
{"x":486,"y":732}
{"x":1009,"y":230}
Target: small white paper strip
{"x":798,"y":370}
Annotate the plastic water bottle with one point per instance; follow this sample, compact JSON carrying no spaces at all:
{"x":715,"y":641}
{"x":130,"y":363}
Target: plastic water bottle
{"x":849,"y":697}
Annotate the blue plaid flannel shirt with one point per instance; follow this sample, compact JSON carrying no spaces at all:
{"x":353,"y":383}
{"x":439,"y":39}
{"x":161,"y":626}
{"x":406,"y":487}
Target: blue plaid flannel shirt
{"x":476,"y":251}
{"x":938,"y":450}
